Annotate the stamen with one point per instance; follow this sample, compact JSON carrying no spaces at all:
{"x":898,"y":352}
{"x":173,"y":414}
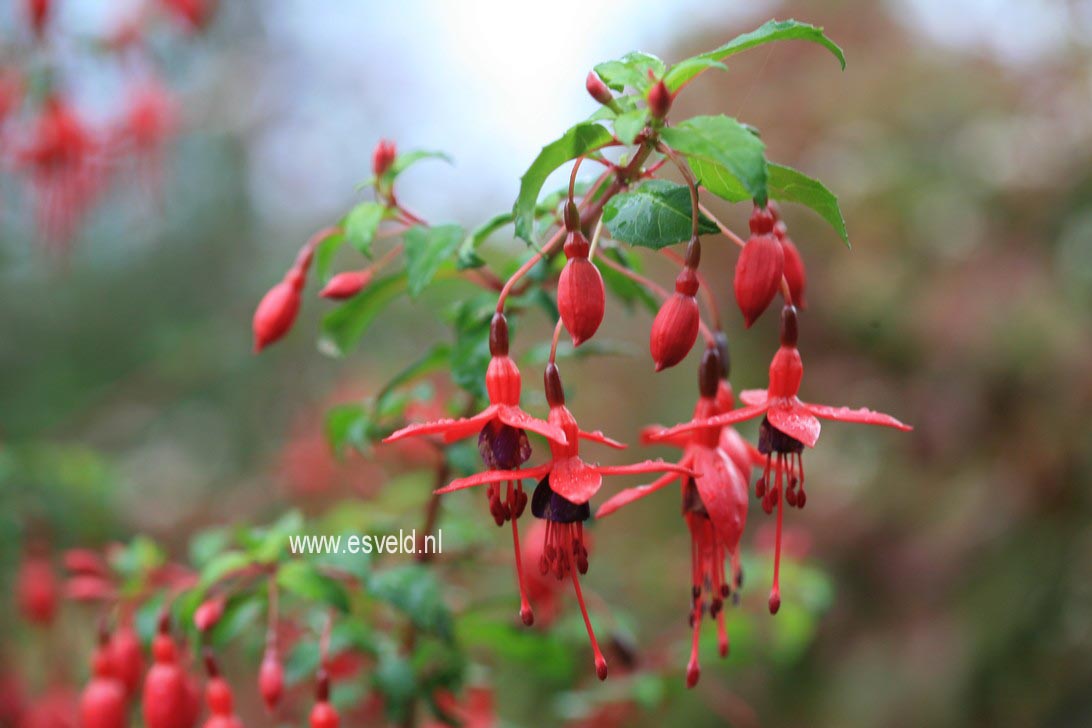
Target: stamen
{"x":600,"y":662}
{"x":775,"y":592}
{"x":526,"y":613}
{"x":693,"y":668}
{"x":722,"y":635}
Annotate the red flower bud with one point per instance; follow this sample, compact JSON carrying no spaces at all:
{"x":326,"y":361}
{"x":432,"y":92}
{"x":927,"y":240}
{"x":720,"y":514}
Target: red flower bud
{"x":167,"y":696}
{"x":581,"y":297}
{"x":383,"y":157}
{"x":128,"y":658}
{"x":323,"y":715}
{"x":676,"y":326}
{"x":759,"y":268}
{"x":277,"y":310}
{"x":794,"y":272}
{"x":38,"y":13}
{"x":37,"y":590}
{"x":598,"y":89}
{"x":659,"y":100}
{"x":348,"y":284}
{"x":271,"y":679}
{"x":208,"y":613}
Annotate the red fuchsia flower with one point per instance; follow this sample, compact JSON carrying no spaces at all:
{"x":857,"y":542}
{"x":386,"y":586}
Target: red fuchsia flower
{"x":65,"y":174}
{"x":271,"y":678}
{"x":37,"y":590}
{"x":219,"y":698}
{"x":169,"y":699}
{"x":714,"y":504}
{"x":208,"y":613}
{"x":324,"y":715}
{"x":38,"y":12}
{"x":150,"y":119}
{"x":759,"y":268}
{"x":675,"y":328}
{"x":194,"y":14}
{"x":581,"y":298}
{"x":278,"y":308}
{"x":659,"y":100}
{"x":561,"y":497}
{"x":502,"y":440}
{"x":103,"y":703}
{"x":597,"y":89}
{"x":788,"y":426}
{"x":128,"y":657}
{"x":383,"y":157}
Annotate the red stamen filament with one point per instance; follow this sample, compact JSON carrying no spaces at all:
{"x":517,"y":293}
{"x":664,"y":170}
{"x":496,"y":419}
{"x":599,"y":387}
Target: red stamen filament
{"x":515,"y":495}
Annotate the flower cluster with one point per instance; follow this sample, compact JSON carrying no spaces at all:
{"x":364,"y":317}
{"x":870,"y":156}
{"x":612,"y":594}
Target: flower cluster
{"x":716,"y":465}
{"x":66,"y":159}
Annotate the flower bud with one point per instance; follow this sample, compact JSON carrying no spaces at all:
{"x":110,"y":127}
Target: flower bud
{"x":598,"y":89}
{"x":581,"y":298}
{"x":383,"y":157}
{"x":659,"y":100}
{"x":794,"y":272}
{"x":348,"y":284}
{"x":758,"y":272}
{"x":277,"y":311}
{"x":674,"y":331}
{"x":208,"y":613}
{"x":271,"y":679}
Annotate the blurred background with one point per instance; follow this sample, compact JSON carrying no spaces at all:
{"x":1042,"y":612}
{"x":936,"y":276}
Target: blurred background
{"x":949,"y":569}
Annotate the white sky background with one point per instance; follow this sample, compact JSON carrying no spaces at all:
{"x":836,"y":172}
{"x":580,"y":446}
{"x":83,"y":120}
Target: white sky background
{"x":491,"y":81}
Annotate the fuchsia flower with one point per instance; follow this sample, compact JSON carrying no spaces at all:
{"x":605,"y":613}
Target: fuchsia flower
{"x":502,"y":440}
{"x":561,"y":497}
{"x":714,"y":504}
{"x":787,"y":427}
{"x":64,"y":170}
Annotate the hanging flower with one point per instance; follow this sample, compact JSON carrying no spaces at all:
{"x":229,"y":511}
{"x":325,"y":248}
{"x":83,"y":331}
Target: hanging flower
{"x":714,"y":505}
{"x":65,"y":173}
{"x":561,"y":497}
{"x":502,"y":440}
{"x":787,"y":427}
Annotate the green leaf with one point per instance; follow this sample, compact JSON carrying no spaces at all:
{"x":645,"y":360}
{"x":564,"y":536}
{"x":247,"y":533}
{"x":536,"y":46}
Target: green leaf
{"x":789,"y":185}
{"x":468,"y":257}
{"x":579,"y":140}
{"x":684,"y":71}
{"x":653,"y":215}
{"x":718,"y":180}
{"x":325,"y":252}
{"x":403,"y":161}
{"x":434,"y":359}
{"x":304,"y":580}
{"x":414,"y":591}
{"x":628,"y":125}
{"x":428,"y":248}
{"x":221,"y":566}
{"x":394,"y":680}
{"x":469,"y":357}
{"x":361,"y":225}
{"x":347,"y":426}
{"x":776,"y":30}
{"x":241,"y":612}
{"x":343,"y":327}
{"x":724,"y":141}
{"x":631,"y":70}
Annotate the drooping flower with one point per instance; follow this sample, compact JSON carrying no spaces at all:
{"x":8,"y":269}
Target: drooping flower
{"x":581,"y":298}
{"x":65,"y":172}
{"x":502,"y":440}
{"x":714,"y":505}
{"x":675,"y":328}
{"x":149,"y":120}
{"x":561,"y":498}
{"x":788,"y":426}
{"x":759,"y":268}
